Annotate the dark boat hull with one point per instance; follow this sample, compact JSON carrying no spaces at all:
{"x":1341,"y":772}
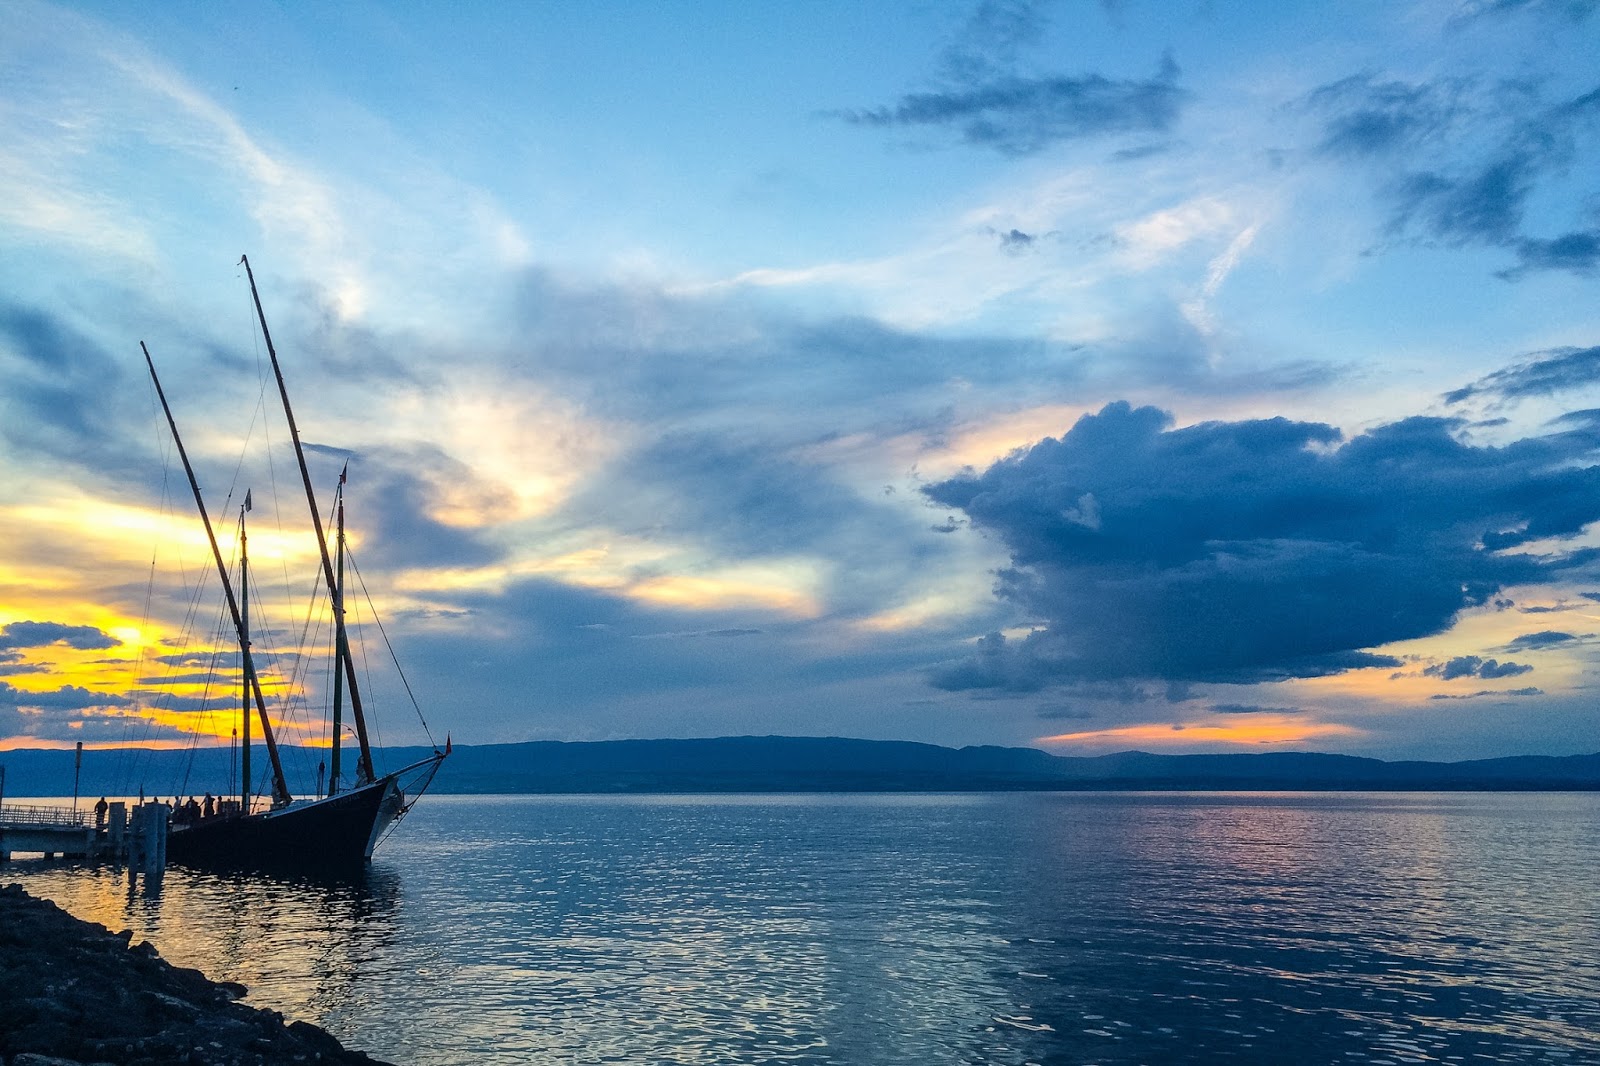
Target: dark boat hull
{"x":335,"y":833}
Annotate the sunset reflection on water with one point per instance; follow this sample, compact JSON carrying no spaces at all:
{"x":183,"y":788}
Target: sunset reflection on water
{"x":1063,"y":928}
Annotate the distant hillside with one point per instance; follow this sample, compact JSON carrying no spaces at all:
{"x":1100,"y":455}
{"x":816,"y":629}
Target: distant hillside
{"x":812,"y":764}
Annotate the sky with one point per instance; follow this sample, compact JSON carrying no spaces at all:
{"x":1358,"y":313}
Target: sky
{"x":1180,"y":376}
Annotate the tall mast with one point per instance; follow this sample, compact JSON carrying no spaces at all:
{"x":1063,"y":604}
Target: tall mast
{"x":280,"y":788}
{"x":244,"y":650}
{"x":340,"y":643}
{"x":364,"y":774}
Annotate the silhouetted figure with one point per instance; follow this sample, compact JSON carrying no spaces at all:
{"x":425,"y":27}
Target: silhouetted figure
{"x":100,"y":813}
{"x":191,"y":811}
{"x":208,"y":808}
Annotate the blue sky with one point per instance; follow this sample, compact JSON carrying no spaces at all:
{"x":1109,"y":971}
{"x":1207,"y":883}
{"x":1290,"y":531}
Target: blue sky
{"x":1183,"y":376}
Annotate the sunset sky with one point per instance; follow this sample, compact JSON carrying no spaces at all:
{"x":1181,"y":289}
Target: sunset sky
{"x":1183,"y":376}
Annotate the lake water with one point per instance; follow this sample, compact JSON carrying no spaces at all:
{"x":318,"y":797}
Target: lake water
{"x":1044,"y":928}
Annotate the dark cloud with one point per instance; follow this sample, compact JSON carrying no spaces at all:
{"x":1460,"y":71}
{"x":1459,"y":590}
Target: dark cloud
{"x":1487,"y":692}
{"x":1065,"y":713}
{"x":1015,"y":240}
{"x":689,"y":634}
{"x":1577,"y":252}
{"x":43,"y":634}
{"x":1370,"y":117}
{"x":62,"y":392}
{"x":1019,"y":115}
{"x":1250,"y":708}
{"x":1473,"y":666}
{"x":1530,"y":641}
{"x":1458,"y":163}
{"x":67,"y":697}
{"x":1543,"y":373}
{"x":1254,"y":551}
{"x":985,"y":95}
{"x":1474,"y":10}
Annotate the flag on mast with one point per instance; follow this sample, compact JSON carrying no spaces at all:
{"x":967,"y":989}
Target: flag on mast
{"x":247,"y":499}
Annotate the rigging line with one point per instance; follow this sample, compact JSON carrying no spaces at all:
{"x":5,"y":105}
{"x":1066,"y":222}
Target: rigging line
{"x":272,"y":466}
{"x":350,"y":558}
{"x":191,"y":611}
{"x":211,"y":668}
{"x":268,"y":661}
{"x":358,"y":644}
{"x":125,"y":765}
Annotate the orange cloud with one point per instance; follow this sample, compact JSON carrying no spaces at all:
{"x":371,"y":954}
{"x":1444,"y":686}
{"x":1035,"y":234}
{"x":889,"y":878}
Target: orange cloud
{"x":1263,"y":730}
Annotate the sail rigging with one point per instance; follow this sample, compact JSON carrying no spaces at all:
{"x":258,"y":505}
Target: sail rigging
{"x":340,"y":829}
{"x":364,"y":774}
{"x":280,"y":787}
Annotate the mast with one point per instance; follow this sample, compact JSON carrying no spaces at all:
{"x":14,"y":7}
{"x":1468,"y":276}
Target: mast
{"x":364,"y":774}
{"x":341,"y":643}
{"x":244,"y":649}
{"x":280,"y":788}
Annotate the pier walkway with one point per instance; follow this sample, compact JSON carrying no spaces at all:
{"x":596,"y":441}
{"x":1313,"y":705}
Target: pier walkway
{"x":48,"y":830}
{"x":65,"y":832}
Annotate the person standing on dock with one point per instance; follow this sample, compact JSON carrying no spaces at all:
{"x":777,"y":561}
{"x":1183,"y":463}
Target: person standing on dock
{"x":100,"y":813}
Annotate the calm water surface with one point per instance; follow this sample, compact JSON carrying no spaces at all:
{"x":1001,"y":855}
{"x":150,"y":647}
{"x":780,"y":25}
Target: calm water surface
{"x":1045,"y":928}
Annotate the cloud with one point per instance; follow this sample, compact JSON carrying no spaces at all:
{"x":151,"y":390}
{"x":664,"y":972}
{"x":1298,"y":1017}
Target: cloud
{"x":1531,"y":641}
{"x":67,"y":697}
{"x":1014,"y":240}
{"x":1487,"y":692}
{"x":1250,"y":708}
{"x":1019,"y":116}
{"x":1370,"y":117}
{"x":1458,"y":163}
{"x":1543,"y":373}
{"x":1577,"y":252}
{"x":1473,"y":666}
{"x":1472,"y":10}
{"x":985,"y":96}
{"x":43,"y":634}
{"x":1258,"y":550}
{"x":61,"y":392}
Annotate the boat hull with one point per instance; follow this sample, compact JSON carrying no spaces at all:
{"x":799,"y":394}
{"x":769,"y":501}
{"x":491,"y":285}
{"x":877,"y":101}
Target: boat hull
{"x":334,"y":833}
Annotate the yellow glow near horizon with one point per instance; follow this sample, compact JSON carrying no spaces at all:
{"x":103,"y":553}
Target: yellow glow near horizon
{"x":122,"y":534}
{"x":18,"y":743}
{"x":1265,"y":729}
{"x":733,"y":591}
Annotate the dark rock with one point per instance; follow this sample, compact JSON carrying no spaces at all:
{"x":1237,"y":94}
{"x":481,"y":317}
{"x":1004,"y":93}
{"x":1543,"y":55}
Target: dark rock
{"x":75,"y":994}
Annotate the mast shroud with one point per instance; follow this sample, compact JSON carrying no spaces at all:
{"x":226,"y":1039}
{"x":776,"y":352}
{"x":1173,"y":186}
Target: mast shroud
{"x":244,"y":645}
{"x":364,"y":773}
{"x":341,"y":643}
{"x":280,"y":788}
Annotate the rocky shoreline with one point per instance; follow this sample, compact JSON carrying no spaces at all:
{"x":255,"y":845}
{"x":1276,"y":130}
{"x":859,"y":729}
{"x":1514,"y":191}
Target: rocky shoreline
{"x":72,"y":992}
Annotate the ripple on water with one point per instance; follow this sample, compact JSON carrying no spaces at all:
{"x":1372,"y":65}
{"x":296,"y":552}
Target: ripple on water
{"x":1005,"y":929}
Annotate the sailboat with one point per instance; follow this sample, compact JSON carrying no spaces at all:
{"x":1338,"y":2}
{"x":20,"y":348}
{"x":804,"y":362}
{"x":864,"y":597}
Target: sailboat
{"x":336,"y":831}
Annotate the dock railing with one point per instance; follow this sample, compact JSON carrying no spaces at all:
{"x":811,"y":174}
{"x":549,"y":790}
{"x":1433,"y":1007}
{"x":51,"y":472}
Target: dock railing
{"x":19,"y":814}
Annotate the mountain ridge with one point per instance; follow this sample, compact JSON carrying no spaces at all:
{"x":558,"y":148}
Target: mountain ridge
{"x":813,"y":764}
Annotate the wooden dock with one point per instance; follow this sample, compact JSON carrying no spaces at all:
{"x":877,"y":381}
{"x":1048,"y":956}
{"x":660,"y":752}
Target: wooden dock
{"x":67,"y":832}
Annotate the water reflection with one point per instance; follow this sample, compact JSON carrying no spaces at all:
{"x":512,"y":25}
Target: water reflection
{"x":913,"y":929}
{"x":301,"y":945}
